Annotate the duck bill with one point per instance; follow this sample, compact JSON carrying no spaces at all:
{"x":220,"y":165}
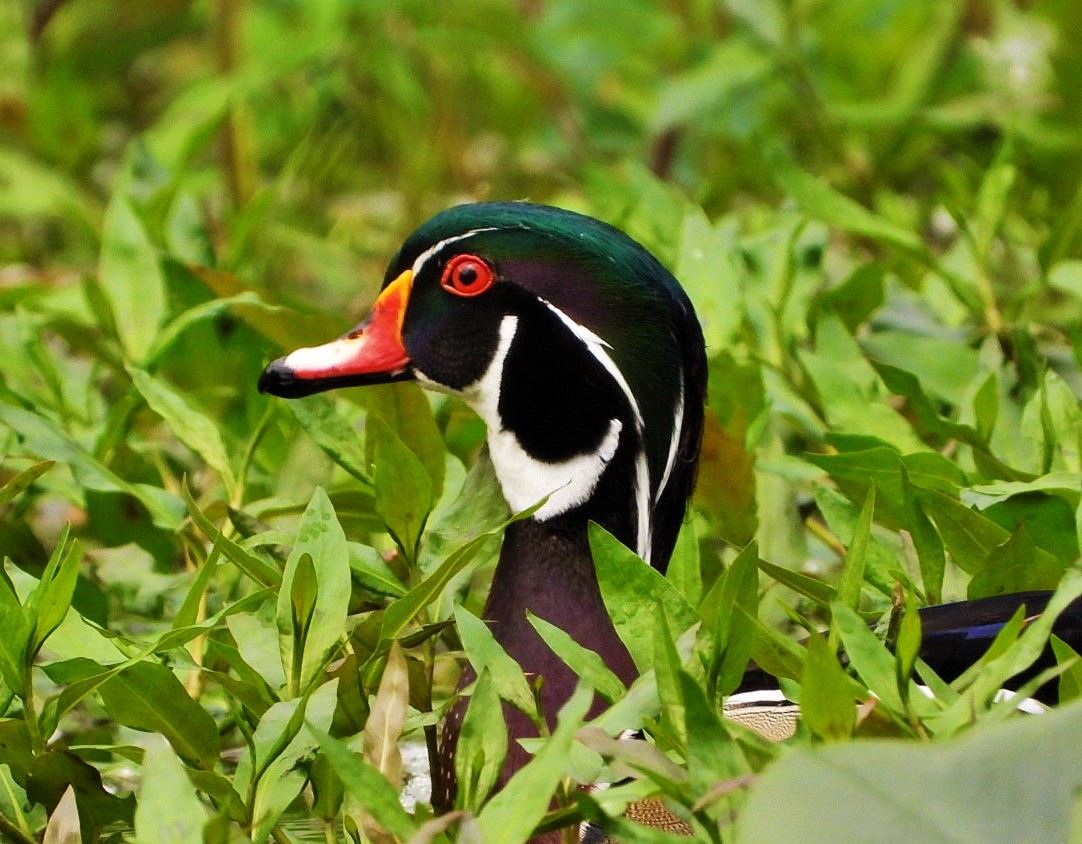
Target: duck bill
{"x":372,"y":353}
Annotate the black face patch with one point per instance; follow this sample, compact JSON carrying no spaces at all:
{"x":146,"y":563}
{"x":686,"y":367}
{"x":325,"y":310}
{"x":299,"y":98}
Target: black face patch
{"x":555,"y":396}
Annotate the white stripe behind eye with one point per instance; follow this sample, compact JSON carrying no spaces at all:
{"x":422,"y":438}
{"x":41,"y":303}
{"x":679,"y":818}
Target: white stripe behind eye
{"x":597,"y":347}
{"x":423,"y":258}
{"x":674,"y":445}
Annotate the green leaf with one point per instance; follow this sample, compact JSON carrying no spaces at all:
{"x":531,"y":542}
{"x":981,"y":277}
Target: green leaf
{"x":403,"y":487}
{"x":1070,"y":682}
{"x":726,"y":610}
{"x":667,"y":664}
{"x":965,"y":791}
{"x":367,"y":785}
{"x":334,"y":429}
{"x":51,"y":600}
{"x":131,"y":277}
{"x":15,"y":633}
{"x":168,"y":811}
{"x":281,"y":746}
{"x":190,"y":425}
{"x":406,"y":409}
{"x":968,"y":536}
{"x":827,"y":703}
{"x":512,"y":814}
{"x":930,"y":553}
{"x":44,"y":438}
{"x":852,"y":578}
{"x":482,"y":745}
{"x":254,"y":567}
{"x":21,"y":481}
{"x":485,"y":653}
{"x":405,"y":609}
{"x":712,"y":756}
{"x":631,"y":590}
{"x":586,"y":663}
{"x":867,"y":655}
{"x":822,"y":202}
{"x":323,"y":596}
{"x":684,"y":571}
{"x":148,"y":696}
{"x":1017,"y":565}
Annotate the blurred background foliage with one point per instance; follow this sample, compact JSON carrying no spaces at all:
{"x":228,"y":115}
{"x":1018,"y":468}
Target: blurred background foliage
{"x":876,"y":206}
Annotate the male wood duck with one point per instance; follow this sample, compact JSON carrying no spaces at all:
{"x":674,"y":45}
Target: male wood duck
{"x":585,"y":359}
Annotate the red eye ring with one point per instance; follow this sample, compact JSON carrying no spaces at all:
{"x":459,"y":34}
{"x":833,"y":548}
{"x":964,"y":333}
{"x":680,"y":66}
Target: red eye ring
{"x":467,"y":275}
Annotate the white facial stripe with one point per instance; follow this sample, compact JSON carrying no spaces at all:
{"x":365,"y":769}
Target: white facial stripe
{"x":674,"y":445}
{"x":424,"y":257}
{"x":597,"y":347}
{"x":525,"y":480}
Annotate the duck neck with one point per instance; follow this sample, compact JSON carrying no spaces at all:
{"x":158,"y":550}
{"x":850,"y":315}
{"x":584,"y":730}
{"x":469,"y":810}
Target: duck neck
{"x":546,"y":569}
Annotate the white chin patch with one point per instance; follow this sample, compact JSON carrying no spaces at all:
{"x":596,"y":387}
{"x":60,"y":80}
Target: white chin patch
{"x":525,"y":480}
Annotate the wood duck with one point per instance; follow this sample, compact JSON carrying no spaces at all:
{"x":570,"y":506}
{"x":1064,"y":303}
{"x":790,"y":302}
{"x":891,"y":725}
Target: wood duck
{"x":585,"y":359}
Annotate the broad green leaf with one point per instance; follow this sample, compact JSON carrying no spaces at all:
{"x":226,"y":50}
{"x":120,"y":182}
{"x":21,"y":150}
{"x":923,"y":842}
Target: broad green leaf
{"x":402,"y":485}
{"x":737,"y":589}
{"x":586,"y":663}
{"x":52,"y":599}
{"x":827,"y":704}
{"x":406,"y":409}
{"x":168,"y":811}
{"x":253,"y":566}
{"x":367,"y":785}
{"x":712,"y":756}
{"x":282,"y":743}
{"x":867,"y":655}
{"x":1017,"y":565}
{"x":852,"y":579}
{"x":964,"y":791}
{"x":15,"y":633}
{"x":667,"y":664}
{"x":708,"y":270}
{"x":131,"y":277}
{"x":401,"y":612}
{"x":256,"y":635}
{"x":324,"y":594}
{"x":190,"y":425}
{"x":850,"y":390}
{"x":512,"y":814}
{"x":148,"y":696}
{"x":484,"y":652}
{"x":1067,"y":277}
{"x":684,"y":570}
{"x":44,"y":438}
{"x":482,"y":744}
{"x":334,"y":429}
{"x":822,"y":202}
{"x":967,"y":535}
{"x":1070,"y":682}
{"x":930,"y":553}
{"x":631,"y":590}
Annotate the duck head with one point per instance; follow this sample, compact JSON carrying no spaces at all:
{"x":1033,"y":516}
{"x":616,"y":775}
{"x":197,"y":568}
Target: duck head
{"x":579,"y":351}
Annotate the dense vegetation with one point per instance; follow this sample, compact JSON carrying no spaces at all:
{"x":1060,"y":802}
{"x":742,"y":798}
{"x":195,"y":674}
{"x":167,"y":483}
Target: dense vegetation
{"x":876,"y":207}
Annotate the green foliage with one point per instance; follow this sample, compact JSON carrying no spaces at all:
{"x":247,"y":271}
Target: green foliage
{"x":877,"y":210}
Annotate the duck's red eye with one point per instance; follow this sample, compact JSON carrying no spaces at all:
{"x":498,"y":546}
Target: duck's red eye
{"x":467,"y":275}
